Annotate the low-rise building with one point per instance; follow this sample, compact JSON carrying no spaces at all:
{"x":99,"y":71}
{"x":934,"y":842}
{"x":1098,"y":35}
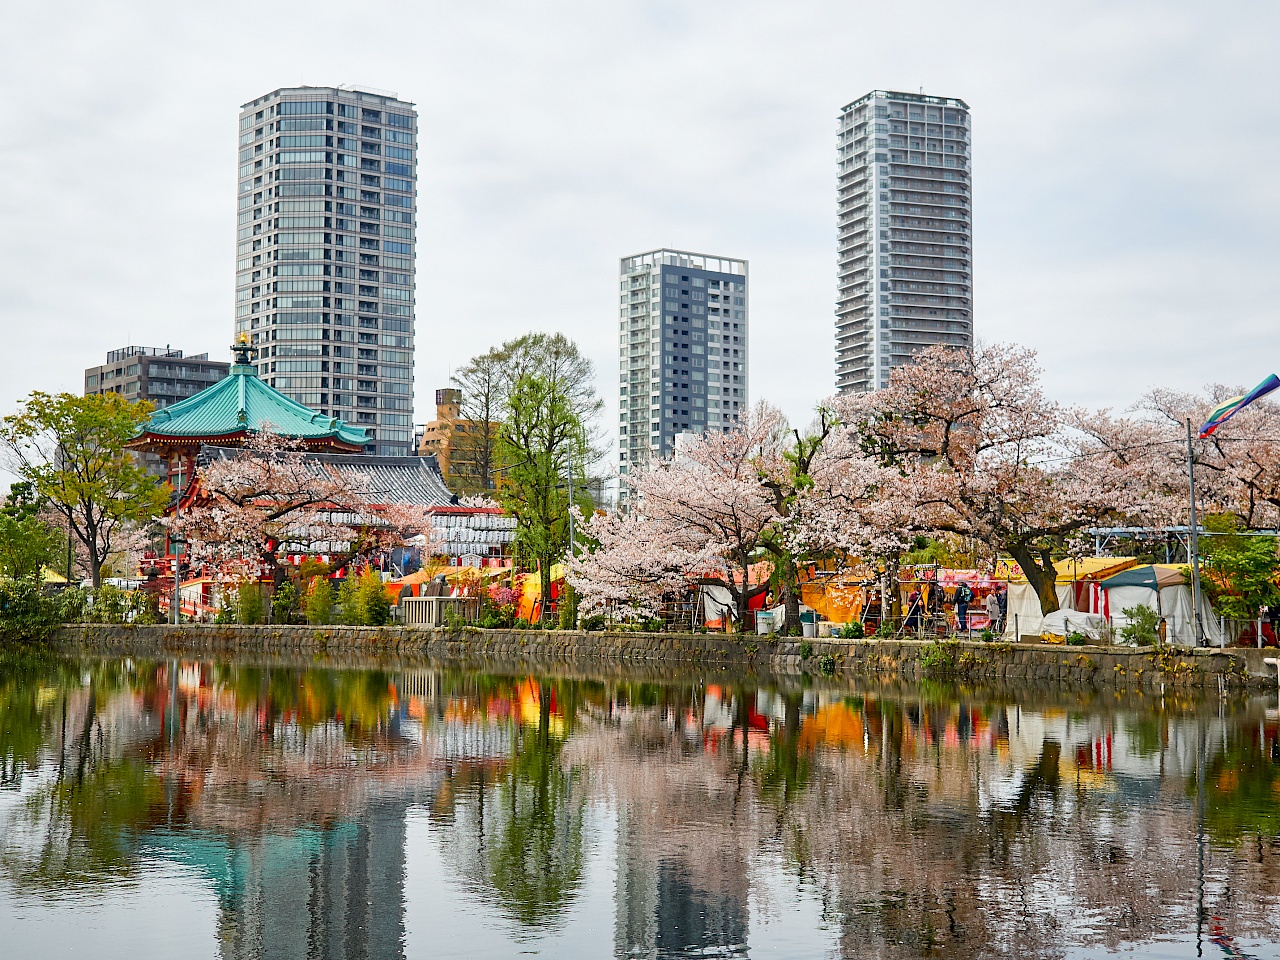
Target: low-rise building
{"x":464,"y":449}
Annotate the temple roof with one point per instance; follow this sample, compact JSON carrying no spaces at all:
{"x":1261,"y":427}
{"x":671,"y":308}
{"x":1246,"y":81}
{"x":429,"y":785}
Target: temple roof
{"x":241,"y":403}
{"x":412,"y":481}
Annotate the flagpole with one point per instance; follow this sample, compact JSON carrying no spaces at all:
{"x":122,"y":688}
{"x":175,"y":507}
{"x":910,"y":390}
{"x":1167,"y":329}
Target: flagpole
{"x":1194,"y":543}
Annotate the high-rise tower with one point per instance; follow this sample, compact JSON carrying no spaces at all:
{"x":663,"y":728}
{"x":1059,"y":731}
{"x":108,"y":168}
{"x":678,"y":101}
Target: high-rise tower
{"x":905,"y":255}
{"x":682,"y":354}
{"x":325,"y":252}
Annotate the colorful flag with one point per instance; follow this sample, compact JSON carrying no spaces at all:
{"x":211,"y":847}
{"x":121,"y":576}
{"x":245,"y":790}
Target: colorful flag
{"x":1231,"y":407}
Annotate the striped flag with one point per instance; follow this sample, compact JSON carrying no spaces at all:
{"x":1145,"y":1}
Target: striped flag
{"x":1231,"y":407}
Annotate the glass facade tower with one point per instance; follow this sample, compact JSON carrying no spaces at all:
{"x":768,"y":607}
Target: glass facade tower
{"x":682,"y":349}
{"x":325,"y":252}
{"x":905,"y":256}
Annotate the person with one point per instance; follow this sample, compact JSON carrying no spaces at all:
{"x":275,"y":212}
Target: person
{"x":913,"y":610}
{"x":964,"y":597}
{"x":993,"y":611}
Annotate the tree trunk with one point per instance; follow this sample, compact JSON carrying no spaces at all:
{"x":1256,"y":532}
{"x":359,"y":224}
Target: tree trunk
{"x":790,"y":595}
{"x":1041,"y":574}
{"x":95,"y":572}
{"x":544,"y":577}
{"x":744,"y":594}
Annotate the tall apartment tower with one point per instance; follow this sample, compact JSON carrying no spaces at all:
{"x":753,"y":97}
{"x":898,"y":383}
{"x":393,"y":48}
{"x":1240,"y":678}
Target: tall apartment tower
{"x":325,"y":252}
{"x":682,"y":351}
{"x":905,"y":257}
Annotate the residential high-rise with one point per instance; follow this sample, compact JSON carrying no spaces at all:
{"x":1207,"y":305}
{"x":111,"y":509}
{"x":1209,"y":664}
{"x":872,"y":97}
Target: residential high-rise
{"x":325,"y":252}
{"x":682,"y":354}
{"x":905,"y":255}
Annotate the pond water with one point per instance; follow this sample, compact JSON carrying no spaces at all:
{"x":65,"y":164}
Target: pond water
{"x":185,"y":808}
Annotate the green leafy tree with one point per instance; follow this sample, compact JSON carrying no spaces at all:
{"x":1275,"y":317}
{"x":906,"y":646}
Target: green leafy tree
{"x":1239,"y":572}
{"x":286,"y":605}
{"x":249,"y":606}
{"x":348,"y":605}
{"x":371,"y":600}
{"x":540,"y":436}
{"x":27,"y":543}
{"x":319,"y":602}
{"x":71,"y":450}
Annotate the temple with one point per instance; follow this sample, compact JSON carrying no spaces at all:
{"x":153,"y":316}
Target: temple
{"x":227,"y":412}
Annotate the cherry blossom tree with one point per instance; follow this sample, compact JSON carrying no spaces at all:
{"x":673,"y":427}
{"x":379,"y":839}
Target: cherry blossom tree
{"x":701,"y":515}
{"x":1237,"y":466}
{"x":971,"y":445}
{"x":270,"y":498}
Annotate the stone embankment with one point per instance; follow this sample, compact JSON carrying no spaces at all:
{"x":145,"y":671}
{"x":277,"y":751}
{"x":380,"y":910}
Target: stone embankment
{"x":905,"y":660}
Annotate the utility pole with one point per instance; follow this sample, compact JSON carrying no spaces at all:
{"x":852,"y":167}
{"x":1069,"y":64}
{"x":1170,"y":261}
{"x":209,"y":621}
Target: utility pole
{"x":569,"y":461}
{"x":1194,"y":541}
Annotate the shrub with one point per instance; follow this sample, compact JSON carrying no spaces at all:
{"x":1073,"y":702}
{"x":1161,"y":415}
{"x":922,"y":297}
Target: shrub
{"x":25,"y":612}
{"x":73,"y":604}
{"x":987,"y":635}
{"x":1143,"y":628}
{"x":593,"y":623}
{"x":652,"y":625}
{"x":286,"y":605}
{"x":886,"y":631}
{"x":827,"y":665}
{"x":1076,"y":639}
{"x":372,"y":602}
{"x":318,"y":605}
{"x":853,"y":631}
{"x":522,"y":624}
{"x":144,"y":607}
{"x":249,"y":607}
{"x":109,"y":605}
{"x":806,"y":650}
{"x":941,"y":659}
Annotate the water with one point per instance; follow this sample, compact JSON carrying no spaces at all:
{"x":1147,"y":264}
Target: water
{"x":232,"y":810}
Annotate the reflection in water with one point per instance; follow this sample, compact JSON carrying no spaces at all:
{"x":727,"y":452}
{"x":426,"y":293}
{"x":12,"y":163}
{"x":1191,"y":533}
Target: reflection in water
{"x":914,"y":822}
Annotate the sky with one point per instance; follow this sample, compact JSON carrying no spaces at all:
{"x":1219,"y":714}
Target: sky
{"x":1125,"y":194}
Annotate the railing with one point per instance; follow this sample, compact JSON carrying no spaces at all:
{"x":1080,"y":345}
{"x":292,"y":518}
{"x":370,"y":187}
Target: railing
{"x":432,"y":611}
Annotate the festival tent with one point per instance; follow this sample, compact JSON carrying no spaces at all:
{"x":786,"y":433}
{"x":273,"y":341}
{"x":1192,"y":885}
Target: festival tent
{"x":1075,"y":580}
{"x":1162,"y":587}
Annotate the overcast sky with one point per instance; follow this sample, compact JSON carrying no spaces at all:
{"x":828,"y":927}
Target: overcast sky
{"x":1124,"y":157}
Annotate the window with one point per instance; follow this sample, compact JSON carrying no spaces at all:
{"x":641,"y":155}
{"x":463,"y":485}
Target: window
{"x":397,"y":136}
{"x":374,"y":116}
{"x":295,"y":107}
{"x":405,"y":186}
{"x":399,"y":120}
{"x":403,"y":169}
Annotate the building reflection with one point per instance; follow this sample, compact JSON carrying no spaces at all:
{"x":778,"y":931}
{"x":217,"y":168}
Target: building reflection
{"x":939,"y":824}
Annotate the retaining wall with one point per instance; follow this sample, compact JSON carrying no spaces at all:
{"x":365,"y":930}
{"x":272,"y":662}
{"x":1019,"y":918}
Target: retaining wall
{"x":907,"y":660}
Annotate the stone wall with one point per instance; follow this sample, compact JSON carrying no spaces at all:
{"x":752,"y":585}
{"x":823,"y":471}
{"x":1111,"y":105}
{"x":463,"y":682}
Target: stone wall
{"x":907,"y":660}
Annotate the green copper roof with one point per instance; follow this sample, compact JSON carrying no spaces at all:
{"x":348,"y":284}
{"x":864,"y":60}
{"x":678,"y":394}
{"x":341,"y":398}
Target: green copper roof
{"x":241,"y":402}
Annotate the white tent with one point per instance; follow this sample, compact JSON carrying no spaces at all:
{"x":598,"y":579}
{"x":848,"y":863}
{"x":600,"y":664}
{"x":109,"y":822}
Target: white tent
{"x":1024,"y":618}
{"x":1162,"y":588}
